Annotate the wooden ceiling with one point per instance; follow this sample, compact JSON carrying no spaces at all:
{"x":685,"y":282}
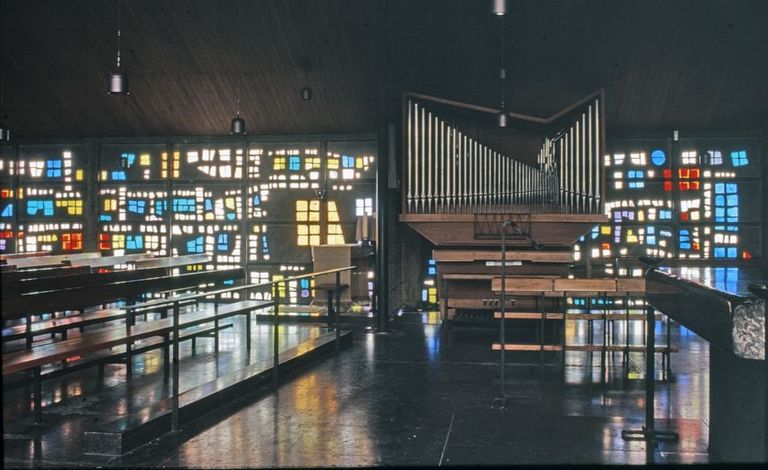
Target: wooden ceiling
{"x":688,"y":64}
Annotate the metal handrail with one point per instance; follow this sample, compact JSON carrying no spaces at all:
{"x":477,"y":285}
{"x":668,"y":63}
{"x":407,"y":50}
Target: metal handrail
{"x":175,"y":302}
{"x":171,"y":300}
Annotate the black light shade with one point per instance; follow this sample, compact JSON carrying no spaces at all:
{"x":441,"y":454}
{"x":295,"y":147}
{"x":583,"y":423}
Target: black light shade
{"x":238,"y":126}
{"x":306,"y":93}
{"x":5,"y":134}
{"x":117,"y":84}
{"x":498,"y":7}
{"x":501,"y":119}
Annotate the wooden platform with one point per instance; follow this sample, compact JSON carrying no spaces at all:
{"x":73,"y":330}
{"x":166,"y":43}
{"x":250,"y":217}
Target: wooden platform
{"x":548,"y":230}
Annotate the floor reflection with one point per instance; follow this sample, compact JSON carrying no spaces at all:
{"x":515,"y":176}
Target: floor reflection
{"x":391,"y":398}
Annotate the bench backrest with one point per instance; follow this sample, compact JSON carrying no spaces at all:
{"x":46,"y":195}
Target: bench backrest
{"x":18,"y":306}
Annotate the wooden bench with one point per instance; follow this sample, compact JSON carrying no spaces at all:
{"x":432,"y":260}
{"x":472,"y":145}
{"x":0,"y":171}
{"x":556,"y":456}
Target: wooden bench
{"x":76,"y":298}
{"x":27,"y":305}
{"x":112,"y":260}
{"x":50,"y":260}
{"x":34,"y":359}
{"x":118,"y":353}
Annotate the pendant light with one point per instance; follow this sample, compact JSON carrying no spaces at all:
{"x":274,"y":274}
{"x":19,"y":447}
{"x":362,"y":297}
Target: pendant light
{"x":5,"y":132}
{"x":237,"y":127}
{"x":498,"y":7}
{"x":501,"y":118}
{"x":117,"y":83}
{"x":306,"y":92}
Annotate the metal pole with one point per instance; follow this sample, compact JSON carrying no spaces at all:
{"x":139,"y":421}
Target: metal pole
{"x":598,"y":153}
{"x":428,"y":156}
{"x":650,"y":369}
{"x":420,"y":165}
{"x":502,"y":338}
{"x":175,"y":385}
{"x":451,"y":166}
{"x":338,"y":311}
{"x":129,"y":320}
{"x":409,"y":153}
{"x":38,"y":399}
{"x":275,"y":336}
{"x":591,"y":161}
{"x":216,"y":299}
{"x":577,"y":165}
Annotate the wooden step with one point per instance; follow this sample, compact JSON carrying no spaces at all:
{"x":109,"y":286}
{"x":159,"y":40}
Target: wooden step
{"x":470,"y":256}
{"x":477,"y":304}
{"x":580,"y":347}
{"x":574,"y":316}
{"x":528,"y":315}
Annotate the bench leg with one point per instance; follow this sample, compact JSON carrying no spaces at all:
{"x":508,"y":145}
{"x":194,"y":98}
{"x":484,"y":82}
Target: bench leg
{"x":248,"y":331}
{"x":216,"y":336}
{"x":167,"y":356}
{"x":64,"y":334}
{"x":38,"y":398}
{"x":29,"y":331}
{"x":331,"y":309}
{"x":128,"y":361}
{"x":194,"y":345}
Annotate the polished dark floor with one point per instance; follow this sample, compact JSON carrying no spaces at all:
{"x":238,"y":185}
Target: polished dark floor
{"x":426,"y":394}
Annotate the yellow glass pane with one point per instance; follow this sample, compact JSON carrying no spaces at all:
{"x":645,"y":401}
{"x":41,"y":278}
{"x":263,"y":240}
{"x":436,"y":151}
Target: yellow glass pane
{"x":314,"y":240}
{"x":301,"y":205}
{"x":144,"y":159}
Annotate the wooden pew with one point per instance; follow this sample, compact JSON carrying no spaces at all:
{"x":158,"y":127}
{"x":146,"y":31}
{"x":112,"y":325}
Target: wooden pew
{"x":51,"y":260}
{"x":77,"y":298}
{"x":35,"y":358}
{"x":28,"y":254}
{"x":105,"y":261}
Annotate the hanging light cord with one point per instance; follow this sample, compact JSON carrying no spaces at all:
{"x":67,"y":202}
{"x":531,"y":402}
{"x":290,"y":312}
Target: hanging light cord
{"x":119,"y":24}
{"x":502,"y":70}
{"x":237,"y":100}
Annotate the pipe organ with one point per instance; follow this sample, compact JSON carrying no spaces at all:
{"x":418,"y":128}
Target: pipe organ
{"x":448,"y":171}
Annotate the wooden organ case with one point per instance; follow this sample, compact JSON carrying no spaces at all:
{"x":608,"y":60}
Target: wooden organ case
{"x":460,"y":194}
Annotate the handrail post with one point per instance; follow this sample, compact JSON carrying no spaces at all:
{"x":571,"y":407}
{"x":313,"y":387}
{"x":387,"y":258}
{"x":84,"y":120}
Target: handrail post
{"x":175,"y":396}
{"x":129,"y":314}
{"x":216,"y":300}
{"x":248,"y":325}
{"x":502,"y":331}
{"x":337,"y":311}
{"x":275,"y":325}
{"x":649,"y":433}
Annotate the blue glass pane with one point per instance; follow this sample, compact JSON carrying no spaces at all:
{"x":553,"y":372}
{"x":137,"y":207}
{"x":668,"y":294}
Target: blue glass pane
{"x":719,"y":252}
{"x":658,"y":157}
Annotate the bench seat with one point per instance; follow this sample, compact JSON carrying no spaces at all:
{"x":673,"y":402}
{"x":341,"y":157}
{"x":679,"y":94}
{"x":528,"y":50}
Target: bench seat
{"x":117,"y":354}
{"x":61,"y":350}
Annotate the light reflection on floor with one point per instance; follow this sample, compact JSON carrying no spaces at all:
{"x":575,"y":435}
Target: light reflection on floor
{"x":391,"y":399}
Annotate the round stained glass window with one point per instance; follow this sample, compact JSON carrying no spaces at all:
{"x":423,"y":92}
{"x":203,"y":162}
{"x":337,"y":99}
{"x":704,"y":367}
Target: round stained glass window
{"x":658,"y":157}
